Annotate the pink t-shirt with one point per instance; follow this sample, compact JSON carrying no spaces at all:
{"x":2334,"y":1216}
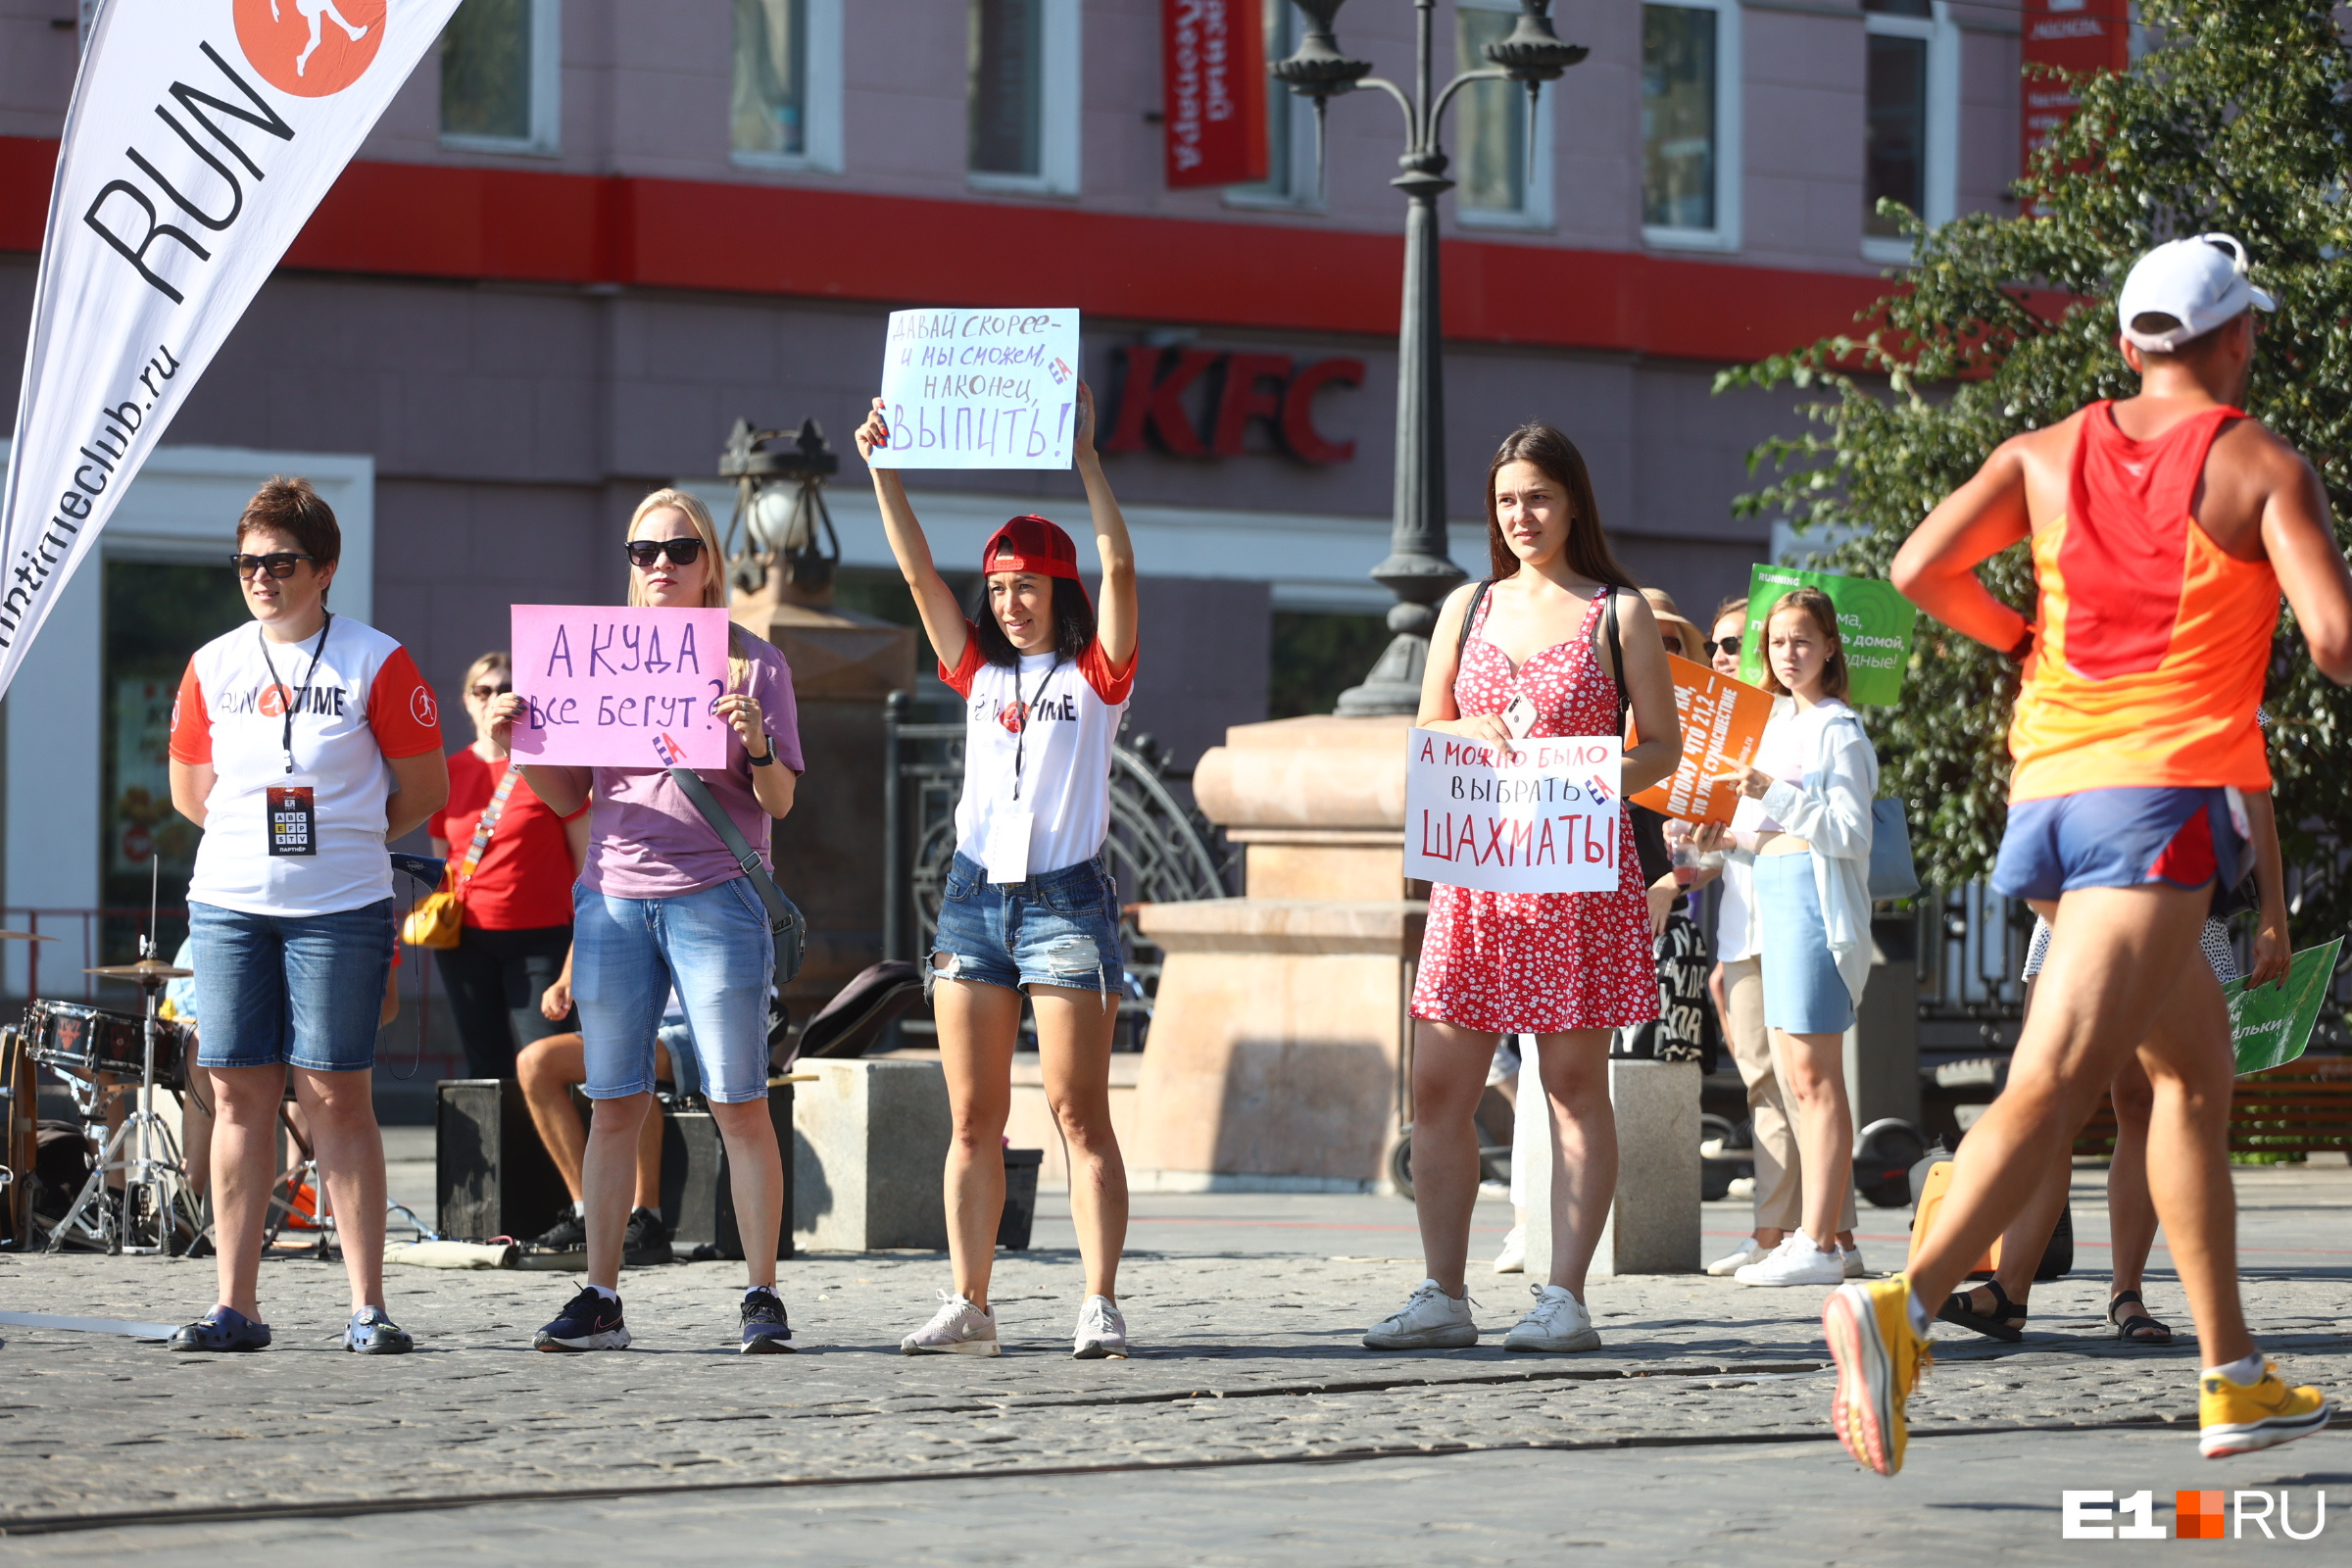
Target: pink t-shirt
{"x":645,"y":838}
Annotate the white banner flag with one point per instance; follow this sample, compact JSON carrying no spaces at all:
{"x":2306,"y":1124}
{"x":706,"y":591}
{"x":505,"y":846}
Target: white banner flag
{"x":201,"y":136}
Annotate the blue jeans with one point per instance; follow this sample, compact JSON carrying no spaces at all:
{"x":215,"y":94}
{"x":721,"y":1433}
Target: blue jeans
{"x":714,"y":946}
{"x":300,"y":989}
{"x":1058,"y":928}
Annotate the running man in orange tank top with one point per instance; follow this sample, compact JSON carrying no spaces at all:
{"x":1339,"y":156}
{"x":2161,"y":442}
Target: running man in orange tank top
{"x":2163,"y":527}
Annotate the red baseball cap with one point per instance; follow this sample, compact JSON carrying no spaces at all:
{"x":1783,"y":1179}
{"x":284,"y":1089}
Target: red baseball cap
{"x":1030,"y":544}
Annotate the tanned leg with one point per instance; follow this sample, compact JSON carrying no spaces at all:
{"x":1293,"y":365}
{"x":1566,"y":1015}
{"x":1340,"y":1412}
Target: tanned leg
{"x":978,"y":1026}
{"x":1450,"y":1079}
{"x":1584,"y":1149}
{"x":1074,"y":1031}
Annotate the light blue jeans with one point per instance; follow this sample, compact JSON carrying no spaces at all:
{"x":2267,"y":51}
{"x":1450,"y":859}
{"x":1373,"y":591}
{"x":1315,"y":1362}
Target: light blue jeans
{"x":303,"y":990}
{"x":714,"y":946}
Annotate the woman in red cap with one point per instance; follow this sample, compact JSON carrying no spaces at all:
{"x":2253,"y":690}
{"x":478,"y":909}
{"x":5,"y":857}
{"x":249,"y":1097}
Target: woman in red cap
{"x":1029,"y":905}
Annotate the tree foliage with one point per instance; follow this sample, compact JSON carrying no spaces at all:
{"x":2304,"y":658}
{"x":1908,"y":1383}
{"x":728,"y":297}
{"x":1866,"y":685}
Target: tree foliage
{"x":2241,"y":121}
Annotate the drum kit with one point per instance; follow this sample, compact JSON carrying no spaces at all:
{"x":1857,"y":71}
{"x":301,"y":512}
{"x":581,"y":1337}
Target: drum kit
{"x":99,"y":1053}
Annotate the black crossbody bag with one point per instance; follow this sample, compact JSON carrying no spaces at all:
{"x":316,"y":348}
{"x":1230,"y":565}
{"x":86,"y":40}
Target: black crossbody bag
{"x":785,"y":921}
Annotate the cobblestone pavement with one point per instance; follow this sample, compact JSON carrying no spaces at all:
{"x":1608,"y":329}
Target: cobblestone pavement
{"x":1699,"y":1422}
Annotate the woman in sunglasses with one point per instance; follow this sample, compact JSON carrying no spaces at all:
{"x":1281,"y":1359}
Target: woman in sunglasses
{"x":512,"y":863}
{"x":660,"y":903}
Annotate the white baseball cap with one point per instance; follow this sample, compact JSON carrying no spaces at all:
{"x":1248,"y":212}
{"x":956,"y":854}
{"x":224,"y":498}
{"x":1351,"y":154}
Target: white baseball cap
{"x":2198,"y":282}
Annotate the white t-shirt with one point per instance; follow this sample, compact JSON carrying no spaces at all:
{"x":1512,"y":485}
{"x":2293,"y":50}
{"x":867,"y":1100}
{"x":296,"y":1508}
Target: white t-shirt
{"x":1739,"y":889}
{"x":364,"y":703}
{"x":1062,"y":747}
{"x":1780,"y":753}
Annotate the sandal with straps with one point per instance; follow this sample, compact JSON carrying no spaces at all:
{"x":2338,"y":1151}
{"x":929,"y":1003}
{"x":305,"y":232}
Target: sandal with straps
{"x":2136,"y":1327}
{"x":2006,"y":1321}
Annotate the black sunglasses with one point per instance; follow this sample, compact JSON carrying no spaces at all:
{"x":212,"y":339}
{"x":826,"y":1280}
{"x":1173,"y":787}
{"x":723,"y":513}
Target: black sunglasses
{"x":277,"y":563}
{"x":1724,"y":645}
{"x":643,"y":553}
{"x":485,"y":693}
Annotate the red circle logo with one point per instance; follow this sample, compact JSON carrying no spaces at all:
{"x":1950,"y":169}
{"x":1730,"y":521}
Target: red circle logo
{"x":421,"y":706}
{"x":311,"y":48}
{"x":273,"y":702}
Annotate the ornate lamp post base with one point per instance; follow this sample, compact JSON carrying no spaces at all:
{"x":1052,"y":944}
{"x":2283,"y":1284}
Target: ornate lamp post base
{"x":1420,"y":583}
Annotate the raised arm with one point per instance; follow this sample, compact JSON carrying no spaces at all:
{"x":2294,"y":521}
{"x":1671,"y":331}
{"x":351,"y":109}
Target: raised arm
{"x":1114,"y":615}
{"x":1937,"y":566}
{"x":942,"y":616}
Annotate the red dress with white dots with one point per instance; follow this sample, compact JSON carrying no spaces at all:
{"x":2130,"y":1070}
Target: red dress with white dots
{"x":1541,"y":962}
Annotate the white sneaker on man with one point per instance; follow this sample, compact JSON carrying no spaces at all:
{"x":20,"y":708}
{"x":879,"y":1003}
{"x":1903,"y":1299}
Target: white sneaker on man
{"x":1556,"y":1322}
{"x":1797,"y":1261}
{"x":1512,"y":1260}
{"x":957,"y":1328}
{"x":1428,"y":1320}
{"x":1102,"y":1332}
{"x":1739,"y":1257}
{"x":1851,"y":1259}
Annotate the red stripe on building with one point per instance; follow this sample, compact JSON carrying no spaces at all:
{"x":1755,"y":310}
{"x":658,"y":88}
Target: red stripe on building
{"x":517,"y":226}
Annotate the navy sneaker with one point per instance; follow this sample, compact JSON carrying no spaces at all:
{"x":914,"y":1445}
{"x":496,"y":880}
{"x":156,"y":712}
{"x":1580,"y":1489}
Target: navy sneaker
{"x":764,"y":1329}
{"x":589,"y":1321}
{"x":371,"y":1331}
{"x":223,"y":1328}
{"x":647,"y":1239}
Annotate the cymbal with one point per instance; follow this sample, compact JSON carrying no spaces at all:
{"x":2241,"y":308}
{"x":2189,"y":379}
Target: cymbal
{"x":25,"y":936}
{"x":144,"y":970}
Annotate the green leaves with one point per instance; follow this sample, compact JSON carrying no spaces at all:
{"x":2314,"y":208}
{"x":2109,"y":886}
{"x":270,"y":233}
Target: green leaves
{"x":2239,"y":119}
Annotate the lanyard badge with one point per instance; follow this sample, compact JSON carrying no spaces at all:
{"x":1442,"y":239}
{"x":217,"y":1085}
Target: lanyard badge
{"x":1006,"y":849}
{"x":293,"y":819}
{"x":294,"y":701}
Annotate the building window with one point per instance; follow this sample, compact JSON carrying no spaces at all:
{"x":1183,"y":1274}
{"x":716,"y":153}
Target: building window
{"x":1290,"y":174}
{"x":1022,"y":62}
{"x":785,"y":111}
{"x":1690,"y":123}
{"x":500,"y":77}
{"x":1498,"y":182}
{"x":1910,"y":119}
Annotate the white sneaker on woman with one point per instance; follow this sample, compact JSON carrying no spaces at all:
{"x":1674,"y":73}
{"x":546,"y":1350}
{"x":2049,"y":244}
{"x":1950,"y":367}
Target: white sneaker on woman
{"x":1428,"y":1320}
{"x":1851,"y":1259}
{"x":1797,"y":1261}
{"x":957,"y":1328}
{"x":1512,"y":1260}
{"x":1102,"y":1332}
{"x":1739,"y":1257}
{"x":1558,"y":1321}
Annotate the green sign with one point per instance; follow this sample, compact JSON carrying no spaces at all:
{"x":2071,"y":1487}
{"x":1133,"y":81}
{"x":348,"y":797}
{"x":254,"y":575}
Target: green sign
{"x":2272,"y":1024}
{"x":1874,"y":622}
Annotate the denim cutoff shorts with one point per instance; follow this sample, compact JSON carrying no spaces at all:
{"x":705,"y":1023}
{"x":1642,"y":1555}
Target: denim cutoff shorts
{"x":1804,"y":992}
{"x":299,"y":990}
{"x":714,"y":947}
{"x":1058,"y":928}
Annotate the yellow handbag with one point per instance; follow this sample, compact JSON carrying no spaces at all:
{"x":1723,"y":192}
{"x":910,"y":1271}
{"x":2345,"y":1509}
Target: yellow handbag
{"x":438,"y":919}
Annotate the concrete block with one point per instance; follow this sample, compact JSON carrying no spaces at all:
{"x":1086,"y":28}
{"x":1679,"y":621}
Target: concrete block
{"x":869,"y":1141}
{"x":1653,"y":1224}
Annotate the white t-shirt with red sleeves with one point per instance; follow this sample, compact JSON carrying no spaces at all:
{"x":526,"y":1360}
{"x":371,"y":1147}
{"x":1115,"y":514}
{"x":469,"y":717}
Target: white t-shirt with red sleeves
{"x":364,"y":703}
{"x":1059,"y":721}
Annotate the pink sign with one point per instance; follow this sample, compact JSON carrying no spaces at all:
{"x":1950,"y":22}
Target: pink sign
{"x":616,"y":687}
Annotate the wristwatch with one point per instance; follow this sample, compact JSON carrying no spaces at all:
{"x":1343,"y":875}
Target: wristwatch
{"x":762,"y":762}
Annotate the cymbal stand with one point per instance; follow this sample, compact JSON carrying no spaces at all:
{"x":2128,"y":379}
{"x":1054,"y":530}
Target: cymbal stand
{"x":144,"y":1151}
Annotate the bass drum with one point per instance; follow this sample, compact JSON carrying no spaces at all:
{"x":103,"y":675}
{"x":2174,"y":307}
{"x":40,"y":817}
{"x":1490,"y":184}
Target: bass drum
{"x":21,"y":1144}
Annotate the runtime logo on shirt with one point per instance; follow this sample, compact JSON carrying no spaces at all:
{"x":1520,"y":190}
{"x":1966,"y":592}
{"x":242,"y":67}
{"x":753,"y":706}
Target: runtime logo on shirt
{"x":270,"y":701}
{"x":1015,"y":717}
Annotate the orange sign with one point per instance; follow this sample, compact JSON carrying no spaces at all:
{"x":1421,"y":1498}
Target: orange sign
{"x":1723,"y":720}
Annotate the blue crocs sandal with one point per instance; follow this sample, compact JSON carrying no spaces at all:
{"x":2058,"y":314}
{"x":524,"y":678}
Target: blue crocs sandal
{"x":223,"y":1328}
{"x":371,"y":1331}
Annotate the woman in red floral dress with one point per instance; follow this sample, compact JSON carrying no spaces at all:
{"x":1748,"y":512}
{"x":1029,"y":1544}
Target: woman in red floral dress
{"x":1566,"y":967}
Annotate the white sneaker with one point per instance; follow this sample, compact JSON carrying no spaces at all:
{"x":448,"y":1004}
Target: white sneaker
{"x":1102,"y":1332}
{"x":1512,"y":1260}
{"x":957,"y":1328}
{"x":1741,"y":1191}
{"x":1739,"y":1257}
{"x":1851,"y":1258}
{"x":1558,"y":1321}
{"x":1796,"y":1261}
{"x":1428,"y":1320}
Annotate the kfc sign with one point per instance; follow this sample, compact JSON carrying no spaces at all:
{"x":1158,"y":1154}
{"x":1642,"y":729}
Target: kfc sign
{"x":1237,"y":387}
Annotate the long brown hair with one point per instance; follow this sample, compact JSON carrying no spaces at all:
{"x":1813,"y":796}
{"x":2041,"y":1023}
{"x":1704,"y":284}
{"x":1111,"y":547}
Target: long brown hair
{"x":1815,"y":604}
{"x":1589,"y":552}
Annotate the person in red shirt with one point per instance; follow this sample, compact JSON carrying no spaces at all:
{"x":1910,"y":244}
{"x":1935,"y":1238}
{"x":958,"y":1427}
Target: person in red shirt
{"x":517,"y":894}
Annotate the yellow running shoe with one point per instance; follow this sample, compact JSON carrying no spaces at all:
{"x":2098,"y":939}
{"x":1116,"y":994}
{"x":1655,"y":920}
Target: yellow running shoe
{"x":1868,"y":1323}
{"x":2240,"y":1418}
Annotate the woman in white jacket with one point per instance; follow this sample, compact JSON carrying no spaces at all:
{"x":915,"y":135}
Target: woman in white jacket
{"x":1815,"y":775}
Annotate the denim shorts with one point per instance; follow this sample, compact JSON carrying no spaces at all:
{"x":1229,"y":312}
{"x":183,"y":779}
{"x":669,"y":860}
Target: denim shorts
{"x":278,"y":990}
{"x":1058,"y":928}
{"x":714,"y":946}
{"x":1804,"y":992}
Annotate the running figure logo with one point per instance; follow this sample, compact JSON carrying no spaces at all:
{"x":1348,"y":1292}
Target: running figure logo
{"x":311,"y":48}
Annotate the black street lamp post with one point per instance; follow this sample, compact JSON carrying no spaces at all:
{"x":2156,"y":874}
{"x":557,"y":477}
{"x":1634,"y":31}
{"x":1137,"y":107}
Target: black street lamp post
{"x":1418,"y":570}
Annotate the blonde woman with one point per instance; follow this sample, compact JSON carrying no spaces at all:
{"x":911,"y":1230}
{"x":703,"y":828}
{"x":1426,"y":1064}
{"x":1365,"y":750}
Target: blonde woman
{"x":660,"y":904}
